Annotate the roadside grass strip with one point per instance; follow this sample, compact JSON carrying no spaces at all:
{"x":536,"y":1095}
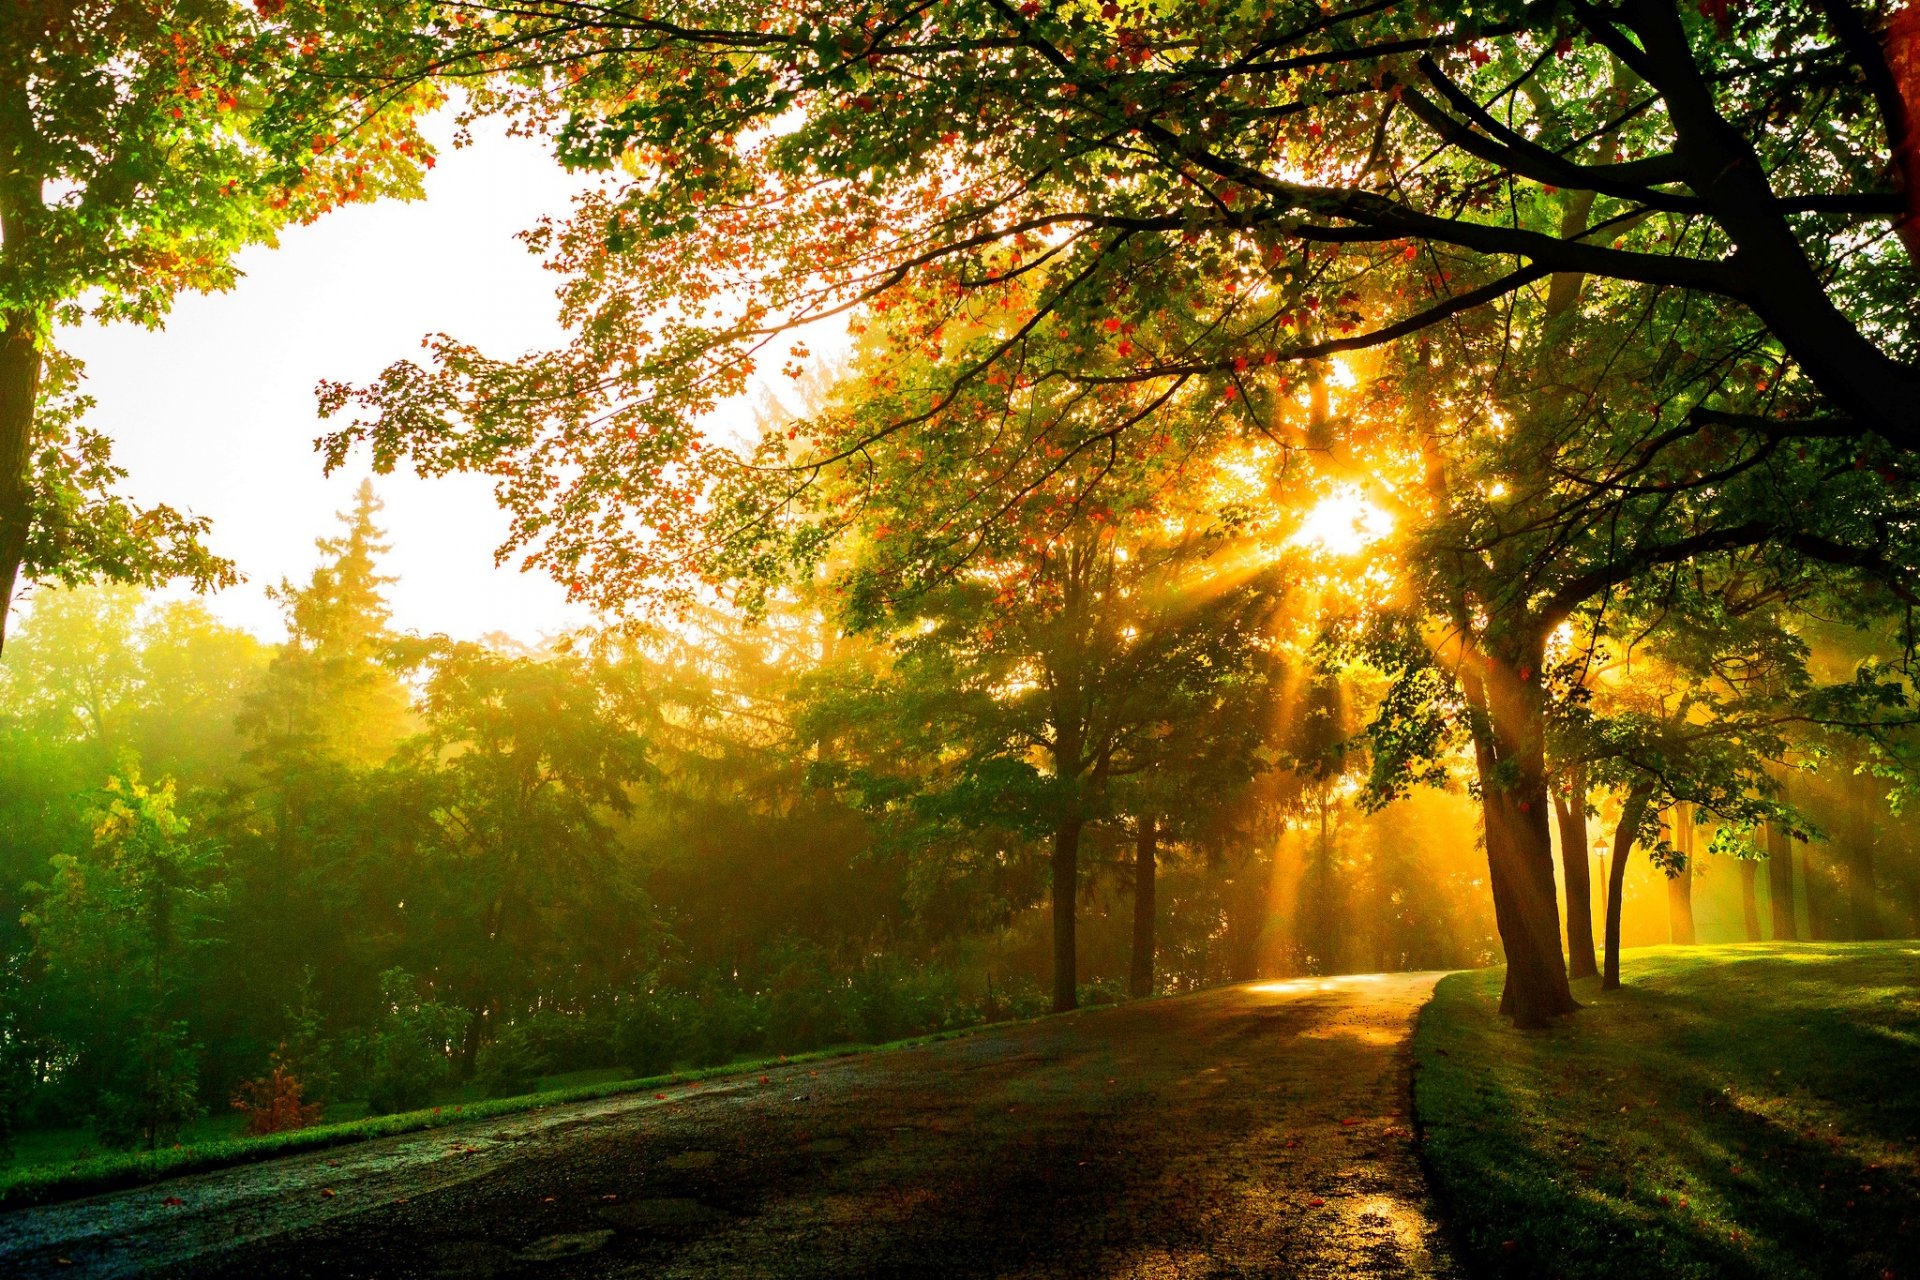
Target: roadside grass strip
{"x":1748,"y":1110}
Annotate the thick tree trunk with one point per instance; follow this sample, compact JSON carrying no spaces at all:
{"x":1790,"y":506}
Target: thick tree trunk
{"x":1571,"y":811}
{"x":1862,"y":884}
{"x":1145,"y":861}
{"x":1631,"y":812}
{"x":1680,"y":887}
{"x":1066,"y":888}
{"x":1750,"y":898}
{"x":20,"y":362}
{"x":1780,"y":883}
{"x":1510,"y":753}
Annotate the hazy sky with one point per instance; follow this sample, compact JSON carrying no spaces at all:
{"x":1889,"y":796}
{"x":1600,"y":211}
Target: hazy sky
{"x":215,"y":413}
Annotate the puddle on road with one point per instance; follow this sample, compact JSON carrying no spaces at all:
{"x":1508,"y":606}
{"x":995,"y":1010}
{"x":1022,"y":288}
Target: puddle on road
{"x":570,"y":1245}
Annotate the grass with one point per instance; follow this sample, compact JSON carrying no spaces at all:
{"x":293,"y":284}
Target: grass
{"x":37,"y":1175}
{"x":1732,"y":1111}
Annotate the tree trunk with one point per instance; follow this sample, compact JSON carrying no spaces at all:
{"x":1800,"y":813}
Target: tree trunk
{"x":1680,"y":887}
{"x":1631,"y":812}
{"x":19,"y":389}
{"x":1571,"y":811}
{"x":1145,"y":858}
{"x":1780,"y":883}
{"x":1510,"y":751}
{"x":1863,"y":891}
{"x":1750,"y":898}
{"x":1066,"y":887}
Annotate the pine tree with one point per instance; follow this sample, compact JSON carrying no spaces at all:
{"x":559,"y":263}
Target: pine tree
{"x":330,"y":694}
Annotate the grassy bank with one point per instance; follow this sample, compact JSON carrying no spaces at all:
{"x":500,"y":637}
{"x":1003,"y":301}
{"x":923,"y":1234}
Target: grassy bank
{"x":1733,"y":1111}
{"x":26,"y":1182}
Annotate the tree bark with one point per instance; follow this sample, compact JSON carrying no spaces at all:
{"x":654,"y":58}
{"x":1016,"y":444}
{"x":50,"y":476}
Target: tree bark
{"x":1780,"y":883}
{"x":1631,"y":812}
{"x":1066,"y":887}
{"x":1510,"y":755}
{"x":1571,"y":811}
{"x":1680,"y":887}
{"x":1145,"y":863}
{"x":20,"y":364}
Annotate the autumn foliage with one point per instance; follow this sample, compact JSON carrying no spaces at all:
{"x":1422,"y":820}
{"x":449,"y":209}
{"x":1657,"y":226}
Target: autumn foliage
{"x":275,"y":1102}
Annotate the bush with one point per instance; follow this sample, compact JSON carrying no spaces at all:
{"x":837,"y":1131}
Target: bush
{"x":411,"y":1050}
{"x":512,"y":1064}
{"x":153,"y":1093}
{"x":653,"y":1030}
{"x":730,"y":1022}
{"x":1017,"y":997}
{"x":274,"y":1102}
{"x":890,"y":999}
{"x":806,"y":1006}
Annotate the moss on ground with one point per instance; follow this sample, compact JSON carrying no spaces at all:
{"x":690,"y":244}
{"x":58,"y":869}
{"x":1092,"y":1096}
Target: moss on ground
{"x":1732,"y":1111}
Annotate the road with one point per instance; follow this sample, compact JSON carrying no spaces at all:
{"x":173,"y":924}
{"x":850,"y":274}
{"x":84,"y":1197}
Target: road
{"x":1256,"y":1130}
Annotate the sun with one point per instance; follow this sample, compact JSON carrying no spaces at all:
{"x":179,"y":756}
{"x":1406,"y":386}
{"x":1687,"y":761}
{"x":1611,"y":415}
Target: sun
{"x":1344,"y":523}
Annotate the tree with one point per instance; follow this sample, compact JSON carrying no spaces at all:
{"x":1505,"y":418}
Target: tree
{"x":524,"y":760}
{"x":1691,"y":714}
{"x":1251,"y":168}
{"x":330,"y":692}
{"x":117,"y":930}
{"x":141,"y":146}
{"x":1129,"y":198}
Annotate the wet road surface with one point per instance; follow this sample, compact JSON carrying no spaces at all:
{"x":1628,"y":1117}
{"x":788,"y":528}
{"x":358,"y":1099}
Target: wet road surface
{"x":1257,"y":1130}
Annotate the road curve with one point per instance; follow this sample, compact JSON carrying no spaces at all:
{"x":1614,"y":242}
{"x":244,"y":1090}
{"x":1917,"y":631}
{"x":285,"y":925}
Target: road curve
{"x":1256,"y":1130}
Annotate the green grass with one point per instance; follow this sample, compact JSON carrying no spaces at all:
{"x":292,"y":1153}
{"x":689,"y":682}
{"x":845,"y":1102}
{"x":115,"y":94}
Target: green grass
{"x":44,"y":1169}
{"x":1732,"y":1111}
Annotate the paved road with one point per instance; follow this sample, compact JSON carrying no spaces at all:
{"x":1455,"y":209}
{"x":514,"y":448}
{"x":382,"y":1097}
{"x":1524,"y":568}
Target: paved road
{"x":1258,"y":1130}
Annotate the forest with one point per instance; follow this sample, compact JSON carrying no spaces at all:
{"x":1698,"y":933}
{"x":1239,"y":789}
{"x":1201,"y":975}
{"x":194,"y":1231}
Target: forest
{"x":1231,"y":492}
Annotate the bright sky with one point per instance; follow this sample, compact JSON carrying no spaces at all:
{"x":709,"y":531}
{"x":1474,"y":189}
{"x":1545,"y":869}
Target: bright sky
{"x":215,"y":413}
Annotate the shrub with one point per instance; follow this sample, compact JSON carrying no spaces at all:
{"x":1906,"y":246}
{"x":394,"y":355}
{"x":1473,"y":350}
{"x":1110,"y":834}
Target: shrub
{"x":411,"y":1050}
{"x":512,"y":1064}
{"x":653,"y":1030}
{"x":890,"y":999}
{"x":805,"y":1006}
{"x":730,"y":1022}
{"x":152,"y":1093}
{"x":274,"y":1103}
{"x":1016,"y":997}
